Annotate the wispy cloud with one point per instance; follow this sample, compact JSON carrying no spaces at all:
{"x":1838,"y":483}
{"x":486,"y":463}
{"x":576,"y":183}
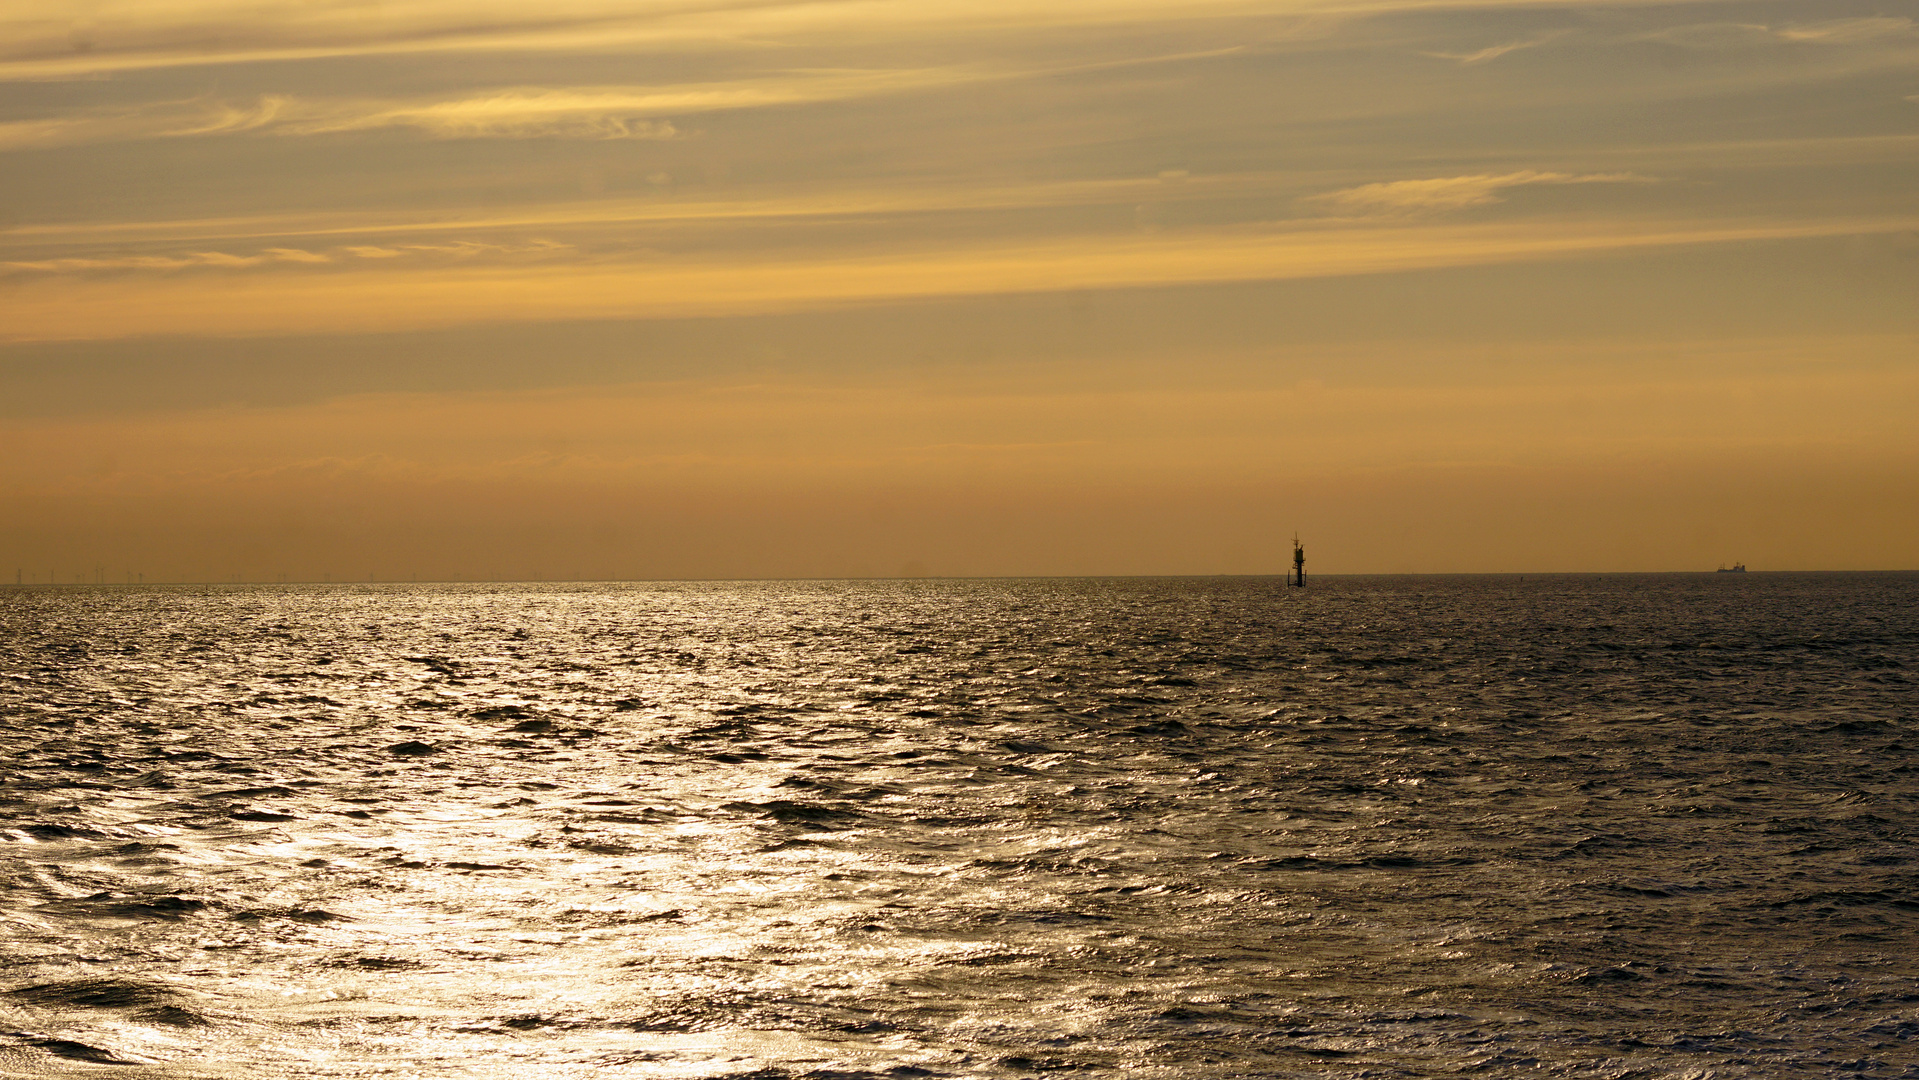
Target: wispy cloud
{"x":1713,"y":35}
{"x":226,"y":260}
{"x":181,"y":261}
{"x":220,"y":118}
{"x":509,"y":115}
{"x":1850,"y":31}
{"x":1739,"y":35}
{"x":44,"y":38}
{"x":48,"y":39}
{"x":1494,"y":52}
{"x":611,"y":111}
{"x":148,"y":120}
{"x":431,"y":295}
{"x":1450,"y":192}
{"x":578,"y":112}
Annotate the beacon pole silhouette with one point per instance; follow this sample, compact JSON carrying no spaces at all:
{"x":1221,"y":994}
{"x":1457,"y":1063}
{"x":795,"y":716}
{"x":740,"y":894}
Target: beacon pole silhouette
{"x":1298,"y":580}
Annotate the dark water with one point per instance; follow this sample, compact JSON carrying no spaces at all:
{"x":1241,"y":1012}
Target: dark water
{"x":1630,"y":826}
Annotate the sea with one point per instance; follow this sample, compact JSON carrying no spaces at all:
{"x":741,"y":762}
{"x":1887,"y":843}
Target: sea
{"x":1423,"y":826}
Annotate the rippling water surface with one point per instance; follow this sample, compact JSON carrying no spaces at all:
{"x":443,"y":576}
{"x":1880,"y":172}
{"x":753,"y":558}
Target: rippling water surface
{"x":1600,"y":826}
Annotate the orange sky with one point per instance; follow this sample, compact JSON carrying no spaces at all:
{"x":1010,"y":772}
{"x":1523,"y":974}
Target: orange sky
{"x":671,"y":288}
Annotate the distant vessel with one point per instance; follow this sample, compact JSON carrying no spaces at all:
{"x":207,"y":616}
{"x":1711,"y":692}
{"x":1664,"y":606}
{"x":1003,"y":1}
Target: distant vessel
{"x":1298,"y":580}
{"x":1735,"y":568}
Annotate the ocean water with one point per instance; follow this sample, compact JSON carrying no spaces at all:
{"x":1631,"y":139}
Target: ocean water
{"x":1618,"y":826}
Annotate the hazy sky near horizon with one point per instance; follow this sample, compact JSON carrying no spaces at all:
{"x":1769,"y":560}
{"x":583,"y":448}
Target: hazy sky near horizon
{"x":742,"y":288}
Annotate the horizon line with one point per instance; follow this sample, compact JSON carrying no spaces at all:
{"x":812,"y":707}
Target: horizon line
{"x":1276,"y":576}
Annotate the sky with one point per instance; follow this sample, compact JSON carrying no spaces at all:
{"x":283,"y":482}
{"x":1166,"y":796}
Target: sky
{"x":421,"y":289}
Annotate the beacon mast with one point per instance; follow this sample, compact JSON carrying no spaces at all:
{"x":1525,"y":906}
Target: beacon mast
{"x":1298,"y":580}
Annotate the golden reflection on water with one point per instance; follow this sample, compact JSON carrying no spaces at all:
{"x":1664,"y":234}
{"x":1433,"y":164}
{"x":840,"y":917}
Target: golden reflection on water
{"x":1003,"y":829}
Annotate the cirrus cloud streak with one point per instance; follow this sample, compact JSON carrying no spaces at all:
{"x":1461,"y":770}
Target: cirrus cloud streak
{"x":48,"y":39}
{"x":1452,"y":192}
{"x":96,"y":309}
{"x":583,"y":112}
